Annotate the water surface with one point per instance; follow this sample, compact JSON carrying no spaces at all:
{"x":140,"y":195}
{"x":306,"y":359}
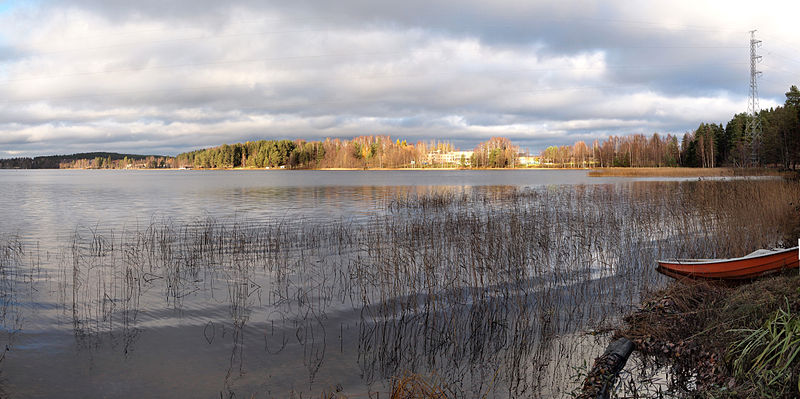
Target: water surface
{"x":50,"y":201}
{"x":279,"y":283}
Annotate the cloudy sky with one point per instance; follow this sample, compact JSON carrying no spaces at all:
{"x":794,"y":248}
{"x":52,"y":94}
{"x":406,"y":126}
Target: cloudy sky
{"x":157,"y":76}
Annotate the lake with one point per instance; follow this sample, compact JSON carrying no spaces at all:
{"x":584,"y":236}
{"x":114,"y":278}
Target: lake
{"x":57,"y":201}
{"x":298,"y":283}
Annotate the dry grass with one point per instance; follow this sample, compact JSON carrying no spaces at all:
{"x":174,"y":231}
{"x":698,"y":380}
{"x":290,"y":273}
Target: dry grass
{"x":684,"y":172}
{"x":416,"y":386}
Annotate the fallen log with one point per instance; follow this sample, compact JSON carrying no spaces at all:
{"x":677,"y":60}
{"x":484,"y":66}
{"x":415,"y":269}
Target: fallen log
{"x":606,"y":368}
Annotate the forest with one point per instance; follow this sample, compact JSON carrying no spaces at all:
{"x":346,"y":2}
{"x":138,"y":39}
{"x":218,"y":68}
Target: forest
{"x":89,"y":160}
{"x":360,"y":152}
{"x":364,"y":151}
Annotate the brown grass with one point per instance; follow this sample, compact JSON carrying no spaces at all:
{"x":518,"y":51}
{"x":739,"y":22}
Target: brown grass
{"x":414,"y":386}
{"x":684,"y":172}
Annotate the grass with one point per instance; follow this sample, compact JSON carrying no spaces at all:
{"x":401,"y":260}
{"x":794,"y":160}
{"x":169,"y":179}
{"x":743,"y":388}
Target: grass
{"x":684,"y":172}
{"x":767,"y":356}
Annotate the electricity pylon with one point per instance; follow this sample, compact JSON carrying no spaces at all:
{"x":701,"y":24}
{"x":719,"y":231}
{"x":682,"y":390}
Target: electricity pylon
{"x":753,"y":130}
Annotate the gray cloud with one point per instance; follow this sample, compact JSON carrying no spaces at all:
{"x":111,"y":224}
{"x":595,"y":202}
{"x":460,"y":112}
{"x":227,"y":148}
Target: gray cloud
{"x":150,"y":76}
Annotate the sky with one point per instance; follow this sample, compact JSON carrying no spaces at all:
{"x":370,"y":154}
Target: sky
{"x":164,"y":77}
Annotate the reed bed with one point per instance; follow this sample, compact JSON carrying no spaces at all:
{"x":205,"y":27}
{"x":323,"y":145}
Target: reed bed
{"x":686,"y":172}
{"x":489,"y":289}
{"x":12,"y":280}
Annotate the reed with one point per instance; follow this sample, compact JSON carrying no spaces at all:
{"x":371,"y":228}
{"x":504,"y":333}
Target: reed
{"x":489,"y":277}
{"x":686,"y":172}
{"x":768,"y":356}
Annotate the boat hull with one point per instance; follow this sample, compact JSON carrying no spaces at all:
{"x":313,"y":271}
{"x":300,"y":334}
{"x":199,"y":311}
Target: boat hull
{"x":731,"y":269}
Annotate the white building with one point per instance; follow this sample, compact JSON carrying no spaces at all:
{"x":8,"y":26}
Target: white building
{"x":528,"y":160}
{"x":451,"y":158}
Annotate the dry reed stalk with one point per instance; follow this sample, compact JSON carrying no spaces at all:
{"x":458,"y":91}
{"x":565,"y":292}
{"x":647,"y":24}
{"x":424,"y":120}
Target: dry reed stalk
{"x":415,"y":386}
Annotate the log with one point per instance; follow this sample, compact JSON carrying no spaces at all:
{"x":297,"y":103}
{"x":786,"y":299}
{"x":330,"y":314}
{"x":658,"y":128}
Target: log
{"x":606,"y":368}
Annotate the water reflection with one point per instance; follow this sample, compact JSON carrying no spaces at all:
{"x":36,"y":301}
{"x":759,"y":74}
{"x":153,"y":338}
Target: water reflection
{"x":48,"y":204}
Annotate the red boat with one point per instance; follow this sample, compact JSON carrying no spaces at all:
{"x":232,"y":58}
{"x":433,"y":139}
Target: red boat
{"x":758,"y":263}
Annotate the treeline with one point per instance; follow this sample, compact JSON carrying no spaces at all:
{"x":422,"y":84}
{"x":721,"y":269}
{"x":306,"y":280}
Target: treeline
{"x":708,"y":146}
{"x":360,"y":152}
{"x":88,"y":160}
{"x":635,"y":150}
{"x":126,"y":162}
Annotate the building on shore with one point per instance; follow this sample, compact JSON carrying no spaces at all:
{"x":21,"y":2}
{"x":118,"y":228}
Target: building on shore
{"x":525,"y":160}
{"x":449,"y":158}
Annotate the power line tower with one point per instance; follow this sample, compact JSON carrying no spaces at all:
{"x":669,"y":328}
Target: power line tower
{"x":753,"y":109}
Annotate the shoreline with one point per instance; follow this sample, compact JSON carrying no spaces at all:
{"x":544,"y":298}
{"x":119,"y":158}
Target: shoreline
{"x":592,"y":172}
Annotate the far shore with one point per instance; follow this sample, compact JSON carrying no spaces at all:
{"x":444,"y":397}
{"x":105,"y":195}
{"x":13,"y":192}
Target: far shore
{"x":331,"y":169}
{"x":592,"y":172}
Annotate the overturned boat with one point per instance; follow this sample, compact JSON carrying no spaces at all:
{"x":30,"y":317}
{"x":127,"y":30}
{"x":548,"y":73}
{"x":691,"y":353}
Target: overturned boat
{"x":755,"y":264}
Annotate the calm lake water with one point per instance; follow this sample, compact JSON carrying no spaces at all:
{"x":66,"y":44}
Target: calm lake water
{"x":45,"y":203}
{"x":285,"y":283}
